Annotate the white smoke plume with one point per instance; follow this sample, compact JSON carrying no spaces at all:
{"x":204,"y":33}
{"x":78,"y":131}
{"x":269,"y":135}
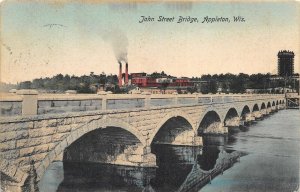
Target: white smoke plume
{"x":119,"y":42}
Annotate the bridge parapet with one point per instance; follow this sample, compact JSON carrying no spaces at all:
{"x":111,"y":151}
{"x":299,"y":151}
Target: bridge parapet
{"x":30,"y":103}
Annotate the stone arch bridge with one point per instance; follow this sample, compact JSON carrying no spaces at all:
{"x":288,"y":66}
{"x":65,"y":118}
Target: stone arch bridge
{"x":115,"y":129}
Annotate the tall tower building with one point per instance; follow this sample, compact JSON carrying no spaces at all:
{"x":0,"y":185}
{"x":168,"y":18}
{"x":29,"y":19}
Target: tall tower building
{"x":285,"y":63}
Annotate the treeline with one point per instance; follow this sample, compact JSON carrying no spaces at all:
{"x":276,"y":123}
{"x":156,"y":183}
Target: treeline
{"x":82,"y":84}
{"x":230,"y":83}
{"x":226,"y":83}
{"x":60,"y":83}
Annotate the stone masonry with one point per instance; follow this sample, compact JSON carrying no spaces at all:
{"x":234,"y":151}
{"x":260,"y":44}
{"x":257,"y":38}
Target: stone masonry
{"x":43,"y":138}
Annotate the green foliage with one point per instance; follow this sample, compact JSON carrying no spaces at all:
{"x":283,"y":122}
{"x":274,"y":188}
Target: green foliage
{"x":179,"y":91}
{"x":159,"y":75}
{"x":213,"y":88}
{"x":226,"y":83}
{"x":163,"y":86}
{"x":61,"y":83}
{"x":191,"y":90}
{"x":25,"y":85}
{"x":210,"y":86}
{"x":230,"y":83}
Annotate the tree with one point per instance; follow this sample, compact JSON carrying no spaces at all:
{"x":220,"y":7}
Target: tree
{"x":25,"y":85}
{"x":192,"y":90}
{"x":155,"y":75}
{"x":213,"y":87}
{"x":179,"y":91}
{"x":163,"y":86}
{"x":238,"y":85}
{"x":206,"y":77}
{"x":37,"y":83}
{"x":103,"y":79}
{"x":225,"y":87}
{"x":204,"y":88}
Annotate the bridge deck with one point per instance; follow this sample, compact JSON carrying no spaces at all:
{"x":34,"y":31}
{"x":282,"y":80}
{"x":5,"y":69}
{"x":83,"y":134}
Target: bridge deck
{"x":32,"y":103}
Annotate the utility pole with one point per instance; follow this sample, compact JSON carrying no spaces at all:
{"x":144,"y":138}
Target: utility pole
{"x":269,"y":86}
{"x":294,"y":87}
{"x":298,"y":84}
{"x":284,"y":85}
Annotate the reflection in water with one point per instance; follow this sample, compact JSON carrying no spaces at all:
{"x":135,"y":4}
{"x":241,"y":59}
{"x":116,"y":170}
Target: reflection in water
{"x":176,"y":166}
{"x":104,"y":177}
{"x":214,"y":150}
{"x":245,"y":128}
{"x":217,"y":140}
{"x":271,"y":164}
{"x":233,"y":129}
{"x":208,"y":159}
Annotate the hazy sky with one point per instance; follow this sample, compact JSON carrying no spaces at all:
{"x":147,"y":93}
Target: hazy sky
{"x":43,"y":39}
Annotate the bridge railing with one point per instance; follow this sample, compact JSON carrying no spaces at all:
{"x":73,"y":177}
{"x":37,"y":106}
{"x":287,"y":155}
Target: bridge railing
{"x":10,"y":105}
{"x":29,"y":102}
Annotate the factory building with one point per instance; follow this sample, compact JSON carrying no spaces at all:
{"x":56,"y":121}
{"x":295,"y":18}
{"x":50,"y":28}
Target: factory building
{"x":160,"y":84}
{"x":155,"y":85}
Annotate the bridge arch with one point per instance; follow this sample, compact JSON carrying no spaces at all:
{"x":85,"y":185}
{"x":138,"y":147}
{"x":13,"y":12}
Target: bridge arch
{"x":111,"y":145}
{"x":210,"y":122}
{"x":269,"y":105}
{"x":185,"y":123}
{"x":273,"y":103}
{"x":94,"y":125}
{"x":255,"y":108}
{"x":263,"y":106}
{"x":277,"y":102}
{"x":245,"y":111}
{"x":231,"y":117}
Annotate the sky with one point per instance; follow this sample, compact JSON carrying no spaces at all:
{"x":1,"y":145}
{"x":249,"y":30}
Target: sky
{"x":42,"y":39}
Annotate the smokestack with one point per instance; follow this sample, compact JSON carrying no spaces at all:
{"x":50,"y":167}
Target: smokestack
{"x":120,"y":74}
{"x":126,"y":74}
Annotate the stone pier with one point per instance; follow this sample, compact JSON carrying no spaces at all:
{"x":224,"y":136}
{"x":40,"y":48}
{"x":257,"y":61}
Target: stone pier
{"x":258,"y":115}
{"x":216,"y":129}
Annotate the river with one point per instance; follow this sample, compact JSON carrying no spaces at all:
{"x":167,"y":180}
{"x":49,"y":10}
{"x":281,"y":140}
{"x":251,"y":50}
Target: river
{"x":271,"y":163}
{"x":269,"y":149}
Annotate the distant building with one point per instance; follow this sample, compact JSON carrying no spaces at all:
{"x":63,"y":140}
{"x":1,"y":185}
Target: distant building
{"x":134,"y":75}
{"x":285,"y":63}
{"x":144,"y":81}
{"x":166,"y":85}
{"x":277,"y":77}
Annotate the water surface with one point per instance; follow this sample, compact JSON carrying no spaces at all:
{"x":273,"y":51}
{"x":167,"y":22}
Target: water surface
{"x":270,"y":152}
{"x":272,"y":161}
